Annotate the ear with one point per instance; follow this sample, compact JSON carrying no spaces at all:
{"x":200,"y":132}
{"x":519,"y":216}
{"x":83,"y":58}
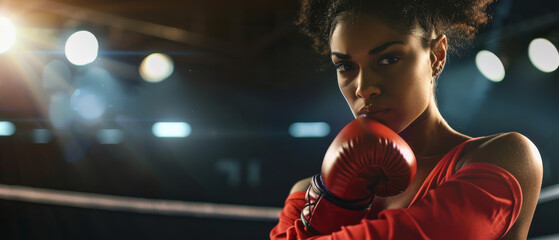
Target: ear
{"x":438,"y":54}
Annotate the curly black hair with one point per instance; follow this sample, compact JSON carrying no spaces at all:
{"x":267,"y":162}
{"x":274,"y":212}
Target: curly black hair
{"x":459,"y":20}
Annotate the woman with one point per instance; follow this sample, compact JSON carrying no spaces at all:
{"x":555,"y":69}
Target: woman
{"x":388,"y":56}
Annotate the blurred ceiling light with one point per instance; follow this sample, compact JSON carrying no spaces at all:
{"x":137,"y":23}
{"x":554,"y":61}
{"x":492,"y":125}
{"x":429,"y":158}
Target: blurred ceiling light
{"x":171,"y":129}
{"x":156,"y":67}
{"x":309,"y":129}
{"x":81,"y":48}
{"x":87,"y":104}
{"x":7,"y":34}
{"x":543,"y":54}
{"x":490,"y":66}
{"x":7,"y":128}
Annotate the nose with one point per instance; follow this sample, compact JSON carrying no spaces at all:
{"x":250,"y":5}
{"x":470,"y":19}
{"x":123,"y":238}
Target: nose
{"x":367,"y":87}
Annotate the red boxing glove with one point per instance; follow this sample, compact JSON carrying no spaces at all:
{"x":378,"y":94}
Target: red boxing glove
{"x":364,"y":160}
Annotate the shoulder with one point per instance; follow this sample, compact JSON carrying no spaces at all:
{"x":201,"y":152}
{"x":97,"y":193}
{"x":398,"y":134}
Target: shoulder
{"x":516,"y":154}
{"x":512,"y":151}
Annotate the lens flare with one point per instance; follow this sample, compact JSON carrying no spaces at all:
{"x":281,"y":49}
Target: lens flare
{"x":7,"y":128}
{"x":87,"y":104}
{"x":543,"y":54}
{"x":7,"y":34}
{"x":309,"y":129}
{"x":490,"y":66}
{"x":171,"y":129}
{"x":156,"y":67}
{"x":81,"y":48}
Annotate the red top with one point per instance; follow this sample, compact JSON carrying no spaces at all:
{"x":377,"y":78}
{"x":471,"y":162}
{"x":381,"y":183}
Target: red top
{"x":480,"y":201}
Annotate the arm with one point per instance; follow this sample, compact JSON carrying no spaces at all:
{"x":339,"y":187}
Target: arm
{"x":292,"y":208}
{"x":301,"y":185}
{"x":481,"y":201}
{"x":519,"y":156}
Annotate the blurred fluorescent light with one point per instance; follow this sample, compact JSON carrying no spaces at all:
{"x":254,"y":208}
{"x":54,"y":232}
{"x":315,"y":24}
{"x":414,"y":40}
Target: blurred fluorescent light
{"x":543,"y":54}
{"x":490,"y":66}
{"x":309,"y":129}
{"x":7,"y":34}
{"x":81,"y":48}
{"x":171,"y":129}
{"x":7,"y":128}
{"x":41,"y":135}
{"x":110,"y":136}
{"x":156,"y":67}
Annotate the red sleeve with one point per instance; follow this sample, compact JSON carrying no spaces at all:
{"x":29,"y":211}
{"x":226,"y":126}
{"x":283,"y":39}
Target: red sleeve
{"x":481,"y":201}
{"x":291,"y":212}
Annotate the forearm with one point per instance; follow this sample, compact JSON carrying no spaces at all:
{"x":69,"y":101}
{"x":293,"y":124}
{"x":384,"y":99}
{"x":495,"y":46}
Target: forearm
{"x":479,"y":202}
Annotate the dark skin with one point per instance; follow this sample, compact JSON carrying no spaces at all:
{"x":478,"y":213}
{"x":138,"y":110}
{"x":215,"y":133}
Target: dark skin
{"x":379,"y":65}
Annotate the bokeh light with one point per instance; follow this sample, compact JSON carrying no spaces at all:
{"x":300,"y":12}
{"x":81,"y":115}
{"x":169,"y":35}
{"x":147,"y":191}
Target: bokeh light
{"x":60,"y":112}
{"x":543,"y":54}
{"x":110,"y":136}
{"x":41,"y":135}
{"x":87,"y":104}
{"x":490,"y":66}
{"x":7,"y":34}
{"x":171,"y":129}
{"x":156,"y":67}
{"x":7,"y":128}
{"x":309,"y":129}
{"x":56,"y":76}
{"x":81,"y":48}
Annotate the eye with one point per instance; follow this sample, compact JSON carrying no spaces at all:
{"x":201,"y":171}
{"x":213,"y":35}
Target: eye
{"x":344,"y":67}
{"x":389,"y":59}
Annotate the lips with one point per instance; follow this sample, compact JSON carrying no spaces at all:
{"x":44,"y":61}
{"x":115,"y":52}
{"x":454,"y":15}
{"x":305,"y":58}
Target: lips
{"x":372,"y":111}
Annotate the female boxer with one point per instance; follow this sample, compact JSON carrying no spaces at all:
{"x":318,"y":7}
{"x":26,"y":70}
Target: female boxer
{"x":388,"y":56}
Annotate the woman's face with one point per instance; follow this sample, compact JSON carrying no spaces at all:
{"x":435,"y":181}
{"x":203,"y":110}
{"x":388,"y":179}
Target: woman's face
{"x":382,"y":73}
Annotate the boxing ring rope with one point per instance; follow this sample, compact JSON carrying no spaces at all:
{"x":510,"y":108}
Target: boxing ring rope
{"x":164,"y":207}
{"x":137,"y":205}
{"x":549,"y":237}
{"x":169,"y":207}
{"x":549,"y":193}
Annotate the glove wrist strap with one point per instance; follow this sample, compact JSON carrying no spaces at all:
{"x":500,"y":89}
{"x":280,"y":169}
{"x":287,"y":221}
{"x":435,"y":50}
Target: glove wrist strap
{"x":343,"y":203}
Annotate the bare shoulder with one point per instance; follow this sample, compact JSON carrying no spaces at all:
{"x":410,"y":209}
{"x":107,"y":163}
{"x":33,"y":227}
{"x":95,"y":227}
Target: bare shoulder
{"x":511,"y":151}
{"x":301,"y":185}
{"x":519,"y":156}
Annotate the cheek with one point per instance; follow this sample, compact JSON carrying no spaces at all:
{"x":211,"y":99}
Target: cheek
{"x":345,"y":88}
{"x":348,"y":92}
{"x":415,"y":92}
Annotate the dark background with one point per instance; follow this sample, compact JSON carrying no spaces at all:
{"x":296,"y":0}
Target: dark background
{"x":243,"y":75}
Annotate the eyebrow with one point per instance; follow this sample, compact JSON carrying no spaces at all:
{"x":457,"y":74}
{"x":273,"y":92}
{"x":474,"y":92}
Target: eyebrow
{"x":371,"y":52}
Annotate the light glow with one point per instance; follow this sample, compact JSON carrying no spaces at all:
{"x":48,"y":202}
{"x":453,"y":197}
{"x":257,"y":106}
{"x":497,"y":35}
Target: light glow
{"x":60,"y":112}
{"x":309,"y":129}
{"x":543,"y":54}
{"x":7,"y":34}
{"x":56,"y":76}
{"x":171,"y":129}
{"x":41,"y":135}
{"x":81,"y":48}
{"x":156,"y":67}
{"x":490,"y":66}
{"x":7,"y":128}
{"x":110,"y":136}
{"x":87,"y":104}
